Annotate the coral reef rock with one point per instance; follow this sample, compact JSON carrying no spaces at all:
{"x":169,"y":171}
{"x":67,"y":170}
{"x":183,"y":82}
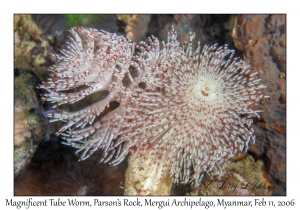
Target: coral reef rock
{"x":262,"y":38}
{"x":29,"y":124}
{"x":145,"y":177}
{"x":243,"y":177}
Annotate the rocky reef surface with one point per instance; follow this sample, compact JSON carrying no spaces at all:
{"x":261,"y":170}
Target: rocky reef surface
{"x":259,"y":39}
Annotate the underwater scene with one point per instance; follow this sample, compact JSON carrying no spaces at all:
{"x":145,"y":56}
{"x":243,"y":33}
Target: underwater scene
{"x":119,"y":104}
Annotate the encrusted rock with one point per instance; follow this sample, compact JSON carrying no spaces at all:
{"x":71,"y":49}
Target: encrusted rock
{"x":243,"y":177}
{"x":29,"y":125}
{"x":262,"y":38}
{"x":144,"y":176}
{"x":136,"y":26}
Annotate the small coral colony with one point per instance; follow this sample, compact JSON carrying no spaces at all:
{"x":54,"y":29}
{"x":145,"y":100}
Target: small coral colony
{"x":190,"y":108}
